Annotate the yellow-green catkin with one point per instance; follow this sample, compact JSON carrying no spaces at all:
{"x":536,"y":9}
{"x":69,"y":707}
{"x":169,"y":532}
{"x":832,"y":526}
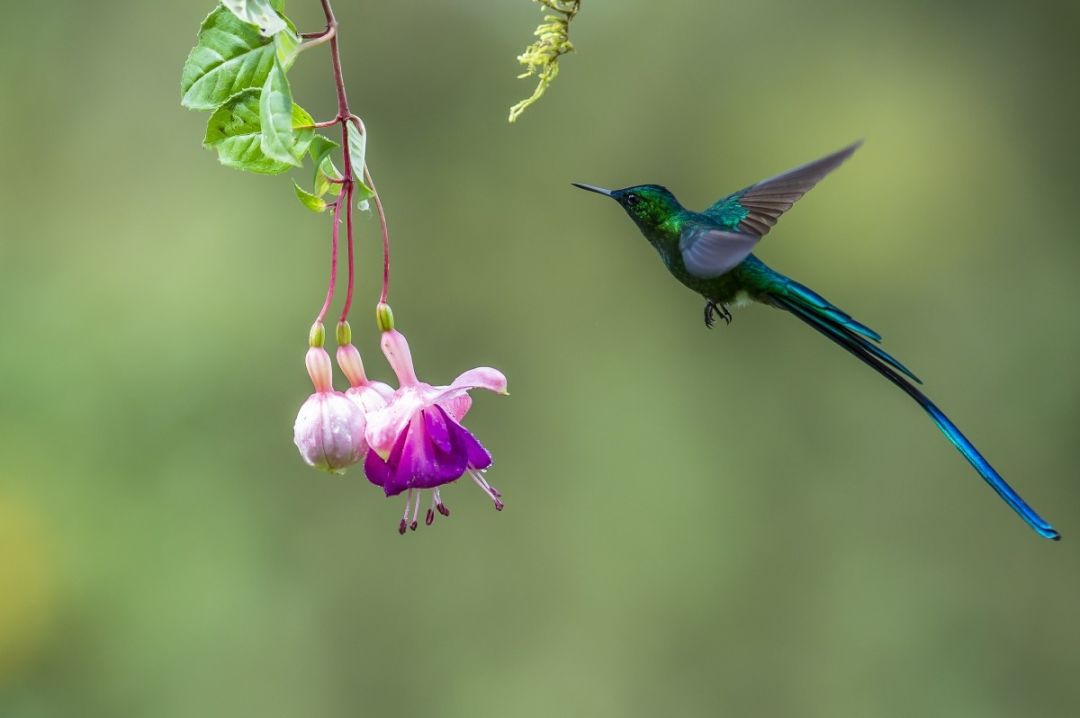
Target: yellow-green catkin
{"x":542,"y":57}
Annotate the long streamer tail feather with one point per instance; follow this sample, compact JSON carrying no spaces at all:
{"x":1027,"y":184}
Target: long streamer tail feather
{"x":828,"y":320}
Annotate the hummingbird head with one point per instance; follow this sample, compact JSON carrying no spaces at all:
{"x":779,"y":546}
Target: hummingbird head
{"x":649,"y":205}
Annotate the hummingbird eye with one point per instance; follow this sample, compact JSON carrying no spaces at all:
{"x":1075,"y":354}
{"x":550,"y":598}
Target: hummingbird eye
{"x":632,"y":199}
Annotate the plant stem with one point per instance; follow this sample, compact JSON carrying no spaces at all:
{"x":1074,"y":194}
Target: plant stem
{"x":344,"y":116}
{"x":333,"y":262}
{"x":385,"y":237}
{"x":346,"y":194}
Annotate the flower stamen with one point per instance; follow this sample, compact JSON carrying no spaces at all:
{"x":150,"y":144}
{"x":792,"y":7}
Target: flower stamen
{"x":405,"y":516}
{"x":487,"y":488}
{"x":416,"y":509}
{"x":439,"y":505}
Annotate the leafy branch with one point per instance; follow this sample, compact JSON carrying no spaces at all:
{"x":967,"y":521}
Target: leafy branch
{"x":238,"y":71}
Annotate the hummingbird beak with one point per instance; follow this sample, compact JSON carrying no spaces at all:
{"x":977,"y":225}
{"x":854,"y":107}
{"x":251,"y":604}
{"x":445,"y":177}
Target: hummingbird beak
{"x":592,"y":188}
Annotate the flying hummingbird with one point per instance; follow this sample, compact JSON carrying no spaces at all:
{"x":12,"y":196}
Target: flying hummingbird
{"x":710,"y":252}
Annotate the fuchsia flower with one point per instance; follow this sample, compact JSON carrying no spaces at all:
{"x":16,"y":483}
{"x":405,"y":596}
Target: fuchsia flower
{"x":329,"y":430}
{"x":417,"y":440}
{"x":368,"y":395}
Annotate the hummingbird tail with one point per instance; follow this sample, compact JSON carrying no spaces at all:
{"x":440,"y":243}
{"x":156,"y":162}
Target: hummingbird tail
{"x":855,"y":338}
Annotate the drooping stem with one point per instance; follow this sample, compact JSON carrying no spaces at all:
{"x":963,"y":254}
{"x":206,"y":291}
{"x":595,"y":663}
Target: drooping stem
{"x":333,"y":261}
{"x":346,"y":195}
{"x":385,"y":237}
{"x":348,"y":183}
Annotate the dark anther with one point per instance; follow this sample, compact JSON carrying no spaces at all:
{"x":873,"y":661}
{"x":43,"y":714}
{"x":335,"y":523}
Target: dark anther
{"x":442,"y":509}
{"x":429,"y":518}
{"x":401,"y":527}
{"x":413,"y":525}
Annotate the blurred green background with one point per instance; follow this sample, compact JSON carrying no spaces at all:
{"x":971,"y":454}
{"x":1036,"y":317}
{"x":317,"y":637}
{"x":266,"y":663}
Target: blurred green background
{"x":737,"y":522}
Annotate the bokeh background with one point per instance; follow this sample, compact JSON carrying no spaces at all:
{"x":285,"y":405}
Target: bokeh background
{"x":737,"y":522}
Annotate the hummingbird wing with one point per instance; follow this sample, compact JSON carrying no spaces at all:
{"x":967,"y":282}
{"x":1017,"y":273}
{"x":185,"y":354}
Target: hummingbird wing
{"x":708,"y":252}
{"x":757,"y":208}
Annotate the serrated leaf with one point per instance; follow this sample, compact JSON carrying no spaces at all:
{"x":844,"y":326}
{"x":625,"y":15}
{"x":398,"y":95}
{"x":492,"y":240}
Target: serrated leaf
{"x":260,"y":13}
{"x":358,"y":158}
{"x":287,"y":46}
{"x":275,"y":117}
{"x":312,"y":202}
{"x":325,"y":172}
{"x":320,"y":147}
{"x":324,"y":167}
{"x":235,"y":132}
{"x":229,"y":57}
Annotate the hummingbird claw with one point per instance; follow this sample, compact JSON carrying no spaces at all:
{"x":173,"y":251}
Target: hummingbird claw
{"x":713,"y":310}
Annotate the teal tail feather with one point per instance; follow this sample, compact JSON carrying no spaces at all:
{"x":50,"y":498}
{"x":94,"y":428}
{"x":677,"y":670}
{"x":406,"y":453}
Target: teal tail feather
{"x":857,"y":339}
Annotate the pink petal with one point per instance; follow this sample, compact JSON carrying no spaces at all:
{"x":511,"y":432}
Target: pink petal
{"x":483,"y":377}
{"x":385,"y":425}
{"x":396,"y":349}
{"x":370,"y":396}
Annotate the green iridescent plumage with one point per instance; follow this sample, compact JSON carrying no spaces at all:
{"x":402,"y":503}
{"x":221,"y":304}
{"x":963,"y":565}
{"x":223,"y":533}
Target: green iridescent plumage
{"x":710,"y":252}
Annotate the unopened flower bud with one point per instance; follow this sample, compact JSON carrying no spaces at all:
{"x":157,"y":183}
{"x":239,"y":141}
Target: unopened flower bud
{"x":329,"y":432}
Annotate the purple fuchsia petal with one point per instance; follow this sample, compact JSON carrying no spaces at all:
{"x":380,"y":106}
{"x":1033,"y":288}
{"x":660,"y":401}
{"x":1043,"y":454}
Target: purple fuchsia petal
{"x":416,"y":461}
{"x":465,"y":444}
{"x":437,"y":429}
{"x":440,"y":464}
{"x":417,"y":457}
{"x":381,"y":471}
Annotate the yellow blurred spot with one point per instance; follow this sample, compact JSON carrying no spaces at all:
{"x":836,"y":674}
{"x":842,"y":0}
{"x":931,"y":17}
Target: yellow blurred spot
{"x":26,"y":594}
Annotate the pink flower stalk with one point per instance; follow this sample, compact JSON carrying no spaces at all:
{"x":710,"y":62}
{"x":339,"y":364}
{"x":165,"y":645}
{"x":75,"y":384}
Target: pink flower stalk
{"x":329,"y":430}
{"x":418,"y":441}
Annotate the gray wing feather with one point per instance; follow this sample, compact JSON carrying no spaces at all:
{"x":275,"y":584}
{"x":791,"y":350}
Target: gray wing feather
{"x":770,"y":198}
{"x":708,"y":253}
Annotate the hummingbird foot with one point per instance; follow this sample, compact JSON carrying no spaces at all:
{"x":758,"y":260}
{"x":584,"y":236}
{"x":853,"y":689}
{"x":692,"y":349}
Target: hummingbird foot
{"x":713,"y":310}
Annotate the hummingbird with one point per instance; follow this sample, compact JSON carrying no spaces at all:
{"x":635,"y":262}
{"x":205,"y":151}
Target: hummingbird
{"x":711,"y":253}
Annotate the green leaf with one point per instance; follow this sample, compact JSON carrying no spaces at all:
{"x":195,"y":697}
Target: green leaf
{"x":325,"y":172}
{"x":260,"y":13}
{"x":229,"y":57}
{"x":324,"y":167}
{"x":275,"y":117}
{"x":357,"y":149}
{"x":235,"y":132}
{"x":320,"y":147}
{"x":312,"y":202}
{"x":278,"y":5}
{"x":287,"y":46}
{"x":358,"y":157}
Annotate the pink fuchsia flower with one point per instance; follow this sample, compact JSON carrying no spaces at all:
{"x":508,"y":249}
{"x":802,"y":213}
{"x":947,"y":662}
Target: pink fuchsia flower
{"x":418,"y":442}
{"x":329,"y":430}
{"x":368,"y":395}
